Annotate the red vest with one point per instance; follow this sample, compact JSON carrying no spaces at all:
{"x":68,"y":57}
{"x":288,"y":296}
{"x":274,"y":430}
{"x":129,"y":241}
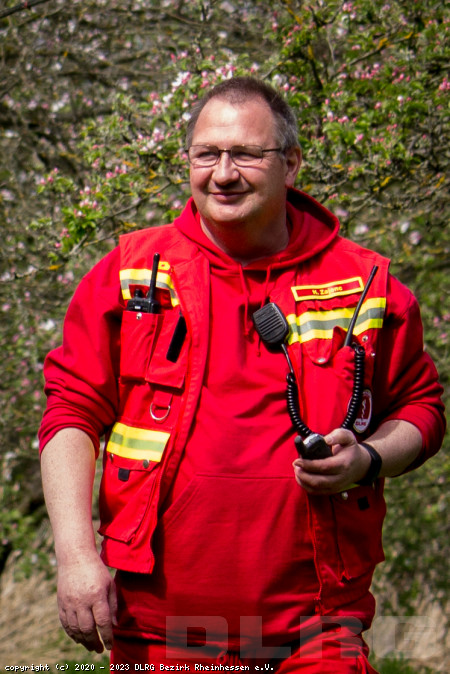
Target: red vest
{"x":159,"y":397}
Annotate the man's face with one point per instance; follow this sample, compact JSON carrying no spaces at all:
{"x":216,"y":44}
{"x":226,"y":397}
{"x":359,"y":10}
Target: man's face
{"x":228,"y":196}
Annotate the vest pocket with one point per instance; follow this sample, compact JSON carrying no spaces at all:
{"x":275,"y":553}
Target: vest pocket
{"x":138,"y":335}
{"x":359,"y":515}
{"x":125,"y":492}
{"x":131,"y":458}
{"x":326,"y":385}
{"x":327,"y":376}
{"x":167,"y":366}
{"x":153,"y":349}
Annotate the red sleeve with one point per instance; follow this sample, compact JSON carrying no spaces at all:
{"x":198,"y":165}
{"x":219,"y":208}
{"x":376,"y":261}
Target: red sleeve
{"x":406,"y":384}
{"x":81,"y":375}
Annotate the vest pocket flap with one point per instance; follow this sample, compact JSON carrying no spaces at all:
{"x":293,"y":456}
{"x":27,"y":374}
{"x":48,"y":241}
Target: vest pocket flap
{"x":323,"y":349}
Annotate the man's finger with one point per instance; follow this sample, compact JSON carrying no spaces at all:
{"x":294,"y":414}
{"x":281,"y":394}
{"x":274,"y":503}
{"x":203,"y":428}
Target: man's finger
{"x":326,"y":466}
{"x":340,"y":436}
{"x":112,"y":598}
{"x":80,"y":627}
{"x":103,"y":620}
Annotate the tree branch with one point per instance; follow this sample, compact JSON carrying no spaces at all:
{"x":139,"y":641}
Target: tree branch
{"x":27,"y":4}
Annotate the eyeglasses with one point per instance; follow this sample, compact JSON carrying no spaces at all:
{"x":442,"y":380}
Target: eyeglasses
{"x":241,"y":155}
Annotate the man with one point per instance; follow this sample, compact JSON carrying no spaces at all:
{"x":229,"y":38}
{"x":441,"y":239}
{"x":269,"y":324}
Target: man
{"x":227,"y":555}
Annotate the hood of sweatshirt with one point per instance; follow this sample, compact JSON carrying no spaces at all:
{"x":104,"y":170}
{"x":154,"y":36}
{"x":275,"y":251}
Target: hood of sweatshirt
{"x":312,"y":230}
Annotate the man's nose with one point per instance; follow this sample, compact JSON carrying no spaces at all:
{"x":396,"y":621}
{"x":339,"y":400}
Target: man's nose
{"x":225,"y":170}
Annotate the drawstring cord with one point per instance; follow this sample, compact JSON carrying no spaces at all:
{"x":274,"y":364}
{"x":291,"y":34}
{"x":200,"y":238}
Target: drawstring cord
{"x":247,"y":300}
{"x":266,"y":285}
{"x":248,"y":324}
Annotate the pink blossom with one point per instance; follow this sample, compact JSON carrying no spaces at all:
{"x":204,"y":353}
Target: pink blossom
{"x":415,"y":238}
{"x":361,"y":229}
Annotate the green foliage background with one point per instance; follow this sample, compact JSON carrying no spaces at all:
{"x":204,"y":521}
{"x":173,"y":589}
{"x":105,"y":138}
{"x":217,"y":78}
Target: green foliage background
{"x":93,"y":102}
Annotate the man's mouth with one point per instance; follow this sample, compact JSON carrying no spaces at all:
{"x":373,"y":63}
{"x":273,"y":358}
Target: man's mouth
{"x":227,"y":196}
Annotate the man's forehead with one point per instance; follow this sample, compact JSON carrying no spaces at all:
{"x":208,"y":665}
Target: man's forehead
{"x":222,"y":113}
{"x":239,"y":103}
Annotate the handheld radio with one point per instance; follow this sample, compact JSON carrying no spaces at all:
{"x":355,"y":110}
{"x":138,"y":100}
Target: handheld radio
{"x":147,"y":304}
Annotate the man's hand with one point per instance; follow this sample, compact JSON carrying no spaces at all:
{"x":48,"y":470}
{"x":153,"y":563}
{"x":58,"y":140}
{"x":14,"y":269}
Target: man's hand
{"x":348,"y":465}
{"x":398,"y":442}
{"x":86,"y":593}
{"x":87,"y":602}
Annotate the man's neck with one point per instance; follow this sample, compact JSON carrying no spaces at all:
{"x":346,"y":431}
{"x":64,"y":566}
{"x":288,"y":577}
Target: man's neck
{"x":236,"y":243}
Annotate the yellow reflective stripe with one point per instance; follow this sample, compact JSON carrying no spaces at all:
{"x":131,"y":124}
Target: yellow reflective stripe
{"x":143,"y":276}
{"x":137,"y":443}
{"x":320,"y":324}
{"x":370,"y":324}
{"x":344,"y":313}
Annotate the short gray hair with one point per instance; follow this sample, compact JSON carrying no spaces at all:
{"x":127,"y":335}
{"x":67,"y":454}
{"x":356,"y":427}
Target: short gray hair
{"x":239,"y":90}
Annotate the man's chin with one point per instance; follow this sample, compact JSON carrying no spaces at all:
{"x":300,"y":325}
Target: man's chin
{"x":227,"y":215}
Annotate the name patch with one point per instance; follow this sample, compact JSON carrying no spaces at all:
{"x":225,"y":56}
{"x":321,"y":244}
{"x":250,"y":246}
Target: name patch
{"x":328,"y":290}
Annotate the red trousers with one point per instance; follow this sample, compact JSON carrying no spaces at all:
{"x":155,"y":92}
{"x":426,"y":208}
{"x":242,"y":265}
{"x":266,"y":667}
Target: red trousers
{"x":325,"y":646}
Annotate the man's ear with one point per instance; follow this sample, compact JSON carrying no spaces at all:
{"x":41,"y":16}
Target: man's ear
{"x":293,"y":163}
